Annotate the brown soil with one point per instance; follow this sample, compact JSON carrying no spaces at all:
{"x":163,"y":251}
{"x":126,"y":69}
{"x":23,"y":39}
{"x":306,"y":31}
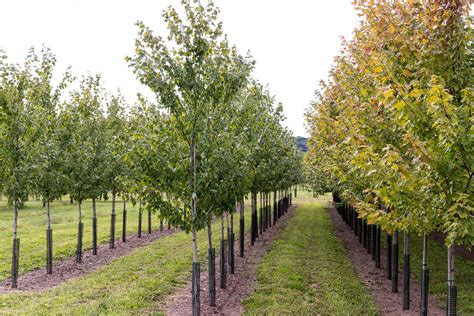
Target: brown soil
{"x":239,"y":285}
{"x":66,"y":269}
{"x":458,"y":250}
{"x":375,"y":280}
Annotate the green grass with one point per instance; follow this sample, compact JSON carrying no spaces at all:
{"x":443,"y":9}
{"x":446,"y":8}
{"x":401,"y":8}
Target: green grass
{"x":32,"y":230}
{"x":133,"y":284}
{"x":307,"y":271}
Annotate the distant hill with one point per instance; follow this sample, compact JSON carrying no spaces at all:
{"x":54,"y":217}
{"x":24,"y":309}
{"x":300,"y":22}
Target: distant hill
{"x":301,"y":143}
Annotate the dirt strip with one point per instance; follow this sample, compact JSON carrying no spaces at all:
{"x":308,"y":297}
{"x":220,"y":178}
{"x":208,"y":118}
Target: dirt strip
{"x":375,"y":280}
{"x":239,"y":286}
{"x":66,"y":269}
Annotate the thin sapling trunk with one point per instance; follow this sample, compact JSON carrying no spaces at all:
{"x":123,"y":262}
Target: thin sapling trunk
{"x":212,"y":265}
{"x":112,"y":221}
{"x":94,"y":227}
{"x":49,"y":240}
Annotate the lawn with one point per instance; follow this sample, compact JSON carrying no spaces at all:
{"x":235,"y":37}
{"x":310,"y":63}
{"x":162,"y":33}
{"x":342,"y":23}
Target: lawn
{"x":32,"y":230}
{"x":306,"y":270}
{"x":133,"y":284}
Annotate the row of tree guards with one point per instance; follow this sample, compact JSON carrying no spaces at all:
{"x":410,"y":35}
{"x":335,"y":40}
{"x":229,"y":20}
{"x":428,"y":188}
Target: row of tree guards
{"x":369,"y":235}
{"x":80,"y":235}
{"x":264,"y":215}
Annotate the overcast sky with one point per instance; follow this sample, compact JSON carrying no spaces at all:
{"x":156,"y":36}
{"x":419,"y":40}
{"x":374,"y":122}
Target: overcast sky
{"x":293,"y":41}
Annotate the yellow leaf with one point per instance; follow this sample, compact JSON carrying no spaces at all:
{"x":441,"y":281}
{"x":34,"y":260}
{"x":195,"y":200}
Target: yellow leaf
{"x":391,"y":28}
{"x":372,"y":218}
{"x":406,"y":72}
{"x":388,"y":94}
{"x":378,"y":69}
{"x":400,"y":105}
{"x":416,"y":93}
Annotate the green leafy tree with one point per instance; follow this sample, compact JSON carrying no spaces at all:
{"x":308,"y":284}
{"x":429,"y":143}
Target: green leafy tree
{"x":14,"y":147}
{"x":84,"y":126}
{"x":116,"y":145}
{"x":45,"y":156}
{"x":188,"y":78}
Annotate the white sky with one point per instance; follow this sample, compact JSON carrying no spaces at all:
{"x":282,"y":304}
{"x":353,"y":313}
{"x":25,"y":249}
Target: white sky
{"x":293,"y":41}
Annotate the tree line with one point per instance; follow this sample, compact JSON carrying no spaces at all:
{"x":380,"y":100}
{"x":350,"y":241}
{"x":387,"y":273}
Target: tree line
{"x":392,"y":127}
{"x":212,"y":136}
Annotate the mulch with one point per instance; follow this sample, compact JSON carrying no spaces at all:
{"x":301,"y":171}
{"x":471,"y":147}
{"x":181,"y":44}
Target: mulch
{"x":239,"y":286}
{"x":387,"y":303}
{"x":63,"y":270}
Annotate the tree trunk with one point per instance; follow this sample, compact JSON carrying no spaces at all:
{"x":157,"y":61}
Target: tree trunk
{"x":80,"y":230}
{"x":275,"y":205}
{"x":223,"y":266}
{"x":212,"y":265}
{"x":254,"y":228}
{"x":140,"y":218}
{"x":112,"y":221}
{"x":389,"y":256}
{"x":261,"y":215}
{"x":230,"y":241}
{"x":168,"y":196}
{"x":406,"y":271}
{"x":49,"y":241}
{"x":424,"y":278}
{"x":196,"y":302}
{"x":124,"y":221}
{"x":16,"y":246}
{"x":242,"y":228}
{"x":149,"y":221}
{"x":94,"y":227}
{"x":395,"y":262}
{"x":452,"y":290}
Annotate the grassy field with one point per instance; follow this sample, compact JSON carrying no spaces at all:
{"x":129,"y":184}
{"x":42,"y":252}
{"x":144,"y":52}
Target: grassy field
{"x":32,"y":230}
{"x":306,"y":270}
{"x":133,"y":284}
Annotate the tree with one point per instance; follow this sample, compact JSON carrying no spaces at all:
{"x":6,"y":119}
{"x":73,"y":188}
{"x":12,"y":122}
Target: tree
{"x":83,"y":124}
{"x":188,"y":77}
{"x":116,"y":145}
{"x":391,"y":126}
{"x":14,"y":147}
{"x":45,"y":156}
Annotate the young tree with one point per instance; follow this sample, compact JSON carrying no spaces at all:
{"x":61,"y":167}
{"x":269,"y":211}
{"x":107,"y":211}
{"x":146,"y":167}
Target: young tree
{"x":392,"y":125}
{"x":14,"y":147}
{"x":117,"y":142}
{"x":188,"y":74}
{"x":86,"y":150}
{"x":46,"y":155}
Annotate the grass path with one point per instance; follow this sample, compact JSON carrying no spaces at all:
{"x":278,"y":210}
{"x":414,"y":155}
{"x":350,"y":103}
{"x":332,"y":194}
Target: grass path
{"x":306,"y":270}
{"x":133,"y":284}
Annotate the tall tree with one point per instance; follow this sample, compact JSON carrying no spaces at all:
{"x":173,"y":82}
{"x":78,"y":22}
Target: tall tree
{"x":46,"y":155}
{"x":393,"y":122}
{"x":187,"y":73}
{"x":14,"y":147}
{"x":116,"y":142}
{"x":86,"y":150}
